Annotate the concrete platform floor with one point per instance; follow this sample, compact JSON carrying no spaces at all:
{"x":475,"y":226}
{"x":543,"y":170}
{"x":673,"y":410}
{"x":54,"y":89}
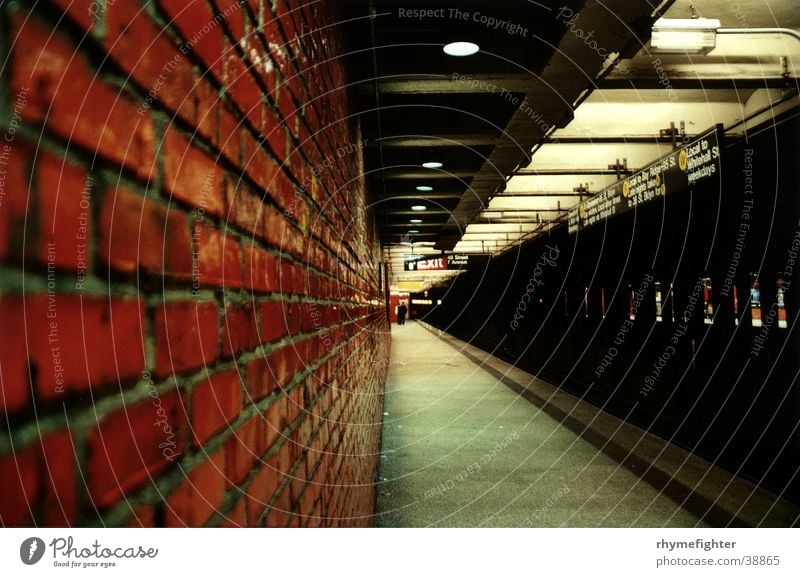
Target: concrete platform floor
{"x":471,"y":441}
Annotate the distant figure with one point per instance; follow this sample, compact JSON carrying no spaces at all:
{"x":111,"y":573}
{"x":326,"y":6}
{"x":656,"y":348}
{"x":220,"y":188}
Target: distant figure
{"x":401,"y":314}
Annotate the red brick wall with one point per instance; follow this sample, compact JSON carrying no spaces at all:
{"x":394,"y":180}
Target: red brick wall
{"x":192,"y":331}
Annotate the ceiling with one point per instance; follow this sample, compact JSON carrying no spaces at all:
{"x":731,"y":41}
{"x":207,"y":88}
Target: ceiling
{"x":563,"y":98}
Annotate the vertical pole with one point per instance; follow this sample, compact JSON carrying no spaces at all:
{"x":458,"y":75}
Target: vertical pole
{"x":386,"y":280}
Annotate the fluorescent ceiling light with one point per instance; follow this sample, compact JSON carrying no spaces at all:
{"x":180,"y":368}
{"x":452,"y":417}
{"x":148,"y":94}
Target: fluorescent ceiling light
{"x":415,"y":231}
{"x":684,"y":35}
{"x":424,"y":188}
{"x":432,"y":164}
{"x":419,"y":207}
{"x":415,"y":221}
{"x":461,"y":48}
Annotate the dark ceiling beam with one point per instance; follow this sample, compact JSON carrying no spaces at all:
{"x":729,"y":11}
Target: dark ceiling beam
{"x":422,"y":196}
{"x":423,"y":141}
{"x":510,"y":221}
{"x":419,"y":213}
{"x":699,"y":83}
{"x":611,"y":140}
{"x":569,"y":171}
{"x":516,"y":210}
{"x":413,"y":225}
{"x":700,"y":74}
{"x":397,"y":237}
{"x":540,"y":194}
{"x":406,"y":174}
{"x":477,"y":83}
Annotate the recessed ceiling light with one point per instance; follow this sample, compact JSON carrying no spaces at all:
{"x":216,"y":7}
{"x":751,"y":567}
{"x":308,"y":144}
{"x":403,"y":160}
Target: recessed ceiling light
{"x":424,"y":188}
{"x":415,"y":221}
{"x":461,"y":48}
{"x":413,"y":231}
{"x":419,"y":207}
{"x":432,"y":164}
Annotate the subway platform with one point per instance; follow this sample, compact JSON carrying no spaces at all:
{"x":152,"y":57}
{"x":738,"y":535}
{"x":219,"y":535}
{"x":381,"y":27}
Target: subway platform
{"x":472,"y":441}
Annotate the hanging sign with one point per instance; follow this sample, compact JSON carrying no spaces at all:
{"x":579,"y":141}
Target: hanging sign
{"x":698,"y":160}
{"x":450,"y":261}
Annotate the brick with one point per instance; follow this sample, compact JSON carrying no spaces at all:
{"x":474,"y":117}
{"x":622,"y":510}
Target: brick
{"x":279,"y":516}
{"x":297,"y":90}
{"x":81,"y":11}
{"x":236,"y":517}
{"x":259,"y":269}
{"x":244,"y":208}
{"x":285,"y":281}
{"x":15,"y":391}
{"x":261,"y":489}
{"x":298,"y":482}
{"x":192,"y":18}
{"x":59,"y":503}
{"x":142,"y":516}
{"x":292,"y":200}
{"x":277,"y":45}
{"x":74,"y":102}
{"x":205,"y":105}
{"x":307,"y":351}
{"x":288,"y":110}
{"x":133,"y":444}
{"x":234,"y":14}
{"x":275,"y":421}
{"x":272,"y":321}
{"x":191,"y":175}
{"x":21,"y":484}
{"x":262,"y":67}
{"x":15,"y":198}
{"x":216,"y":403}
{"x":259,"y":380}
{"x":278,"y":231}
{"x":218,"y":257}
{"x":145,"y":51}
{"x":64,"y":217}
{"x":294,"y":317}
{"x":294,"y":408}
{"x":298,"y":169}
{"x":299,"y":279}
{"x":239,"y":329}
{"x":288,"y":15}
{"x":275,"y":133}
{"x":282,"y":363}
{"x":62,"y":329}
{"x":199,"y":496}
{"x":186,"y":336}
{"x":229,"y":134}
{"x":136,"y":232}
{"x":242,"y":450}
{"x":244,"y":91}
{"x":258,"y":164}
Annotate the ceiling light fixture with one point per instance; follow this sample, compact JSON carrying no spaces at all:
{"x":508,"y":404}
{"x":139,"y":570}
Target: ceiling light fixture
{"x":684,"y":35}
{"x":424,"y":188}
{"x":461,"y":48}
{"x":415,"y":221}
{"x":419,"y":207}
{"x":415,"y":231}
{"x":432,"y":164}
